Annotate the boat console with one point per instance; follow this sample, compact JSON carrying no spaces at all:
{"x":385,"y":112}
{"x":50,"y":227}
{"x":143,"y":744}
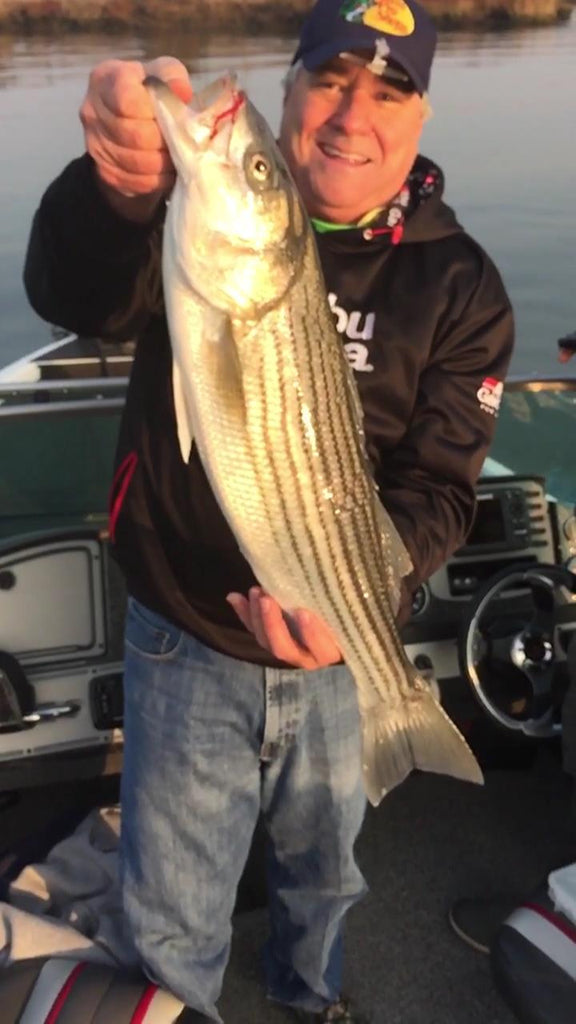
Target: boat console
{"x":486,"y":586}
{"x":514,"y":525}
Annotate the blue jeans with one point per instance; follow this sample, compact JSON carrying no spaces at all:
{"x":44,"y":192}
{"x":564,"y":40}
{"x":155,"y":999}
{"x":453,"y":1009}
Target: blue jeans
{"x":210,"y":742}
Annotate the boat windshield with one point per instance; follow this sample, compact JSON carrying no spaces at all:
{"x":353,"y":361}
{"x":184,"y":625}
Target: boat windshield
{"x":536,"y":435}
{"x":58,"y":440}
{"x":57,"y":462}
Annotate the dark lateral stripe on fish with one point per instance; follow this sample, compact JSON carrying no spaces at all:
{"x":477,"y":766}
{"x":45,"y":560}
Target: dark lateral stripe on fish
{"x":313,"y":357}
{"x":319,"y":581}
{"x":345,"y":610}
{"x":341,"y":425}
{"x":326,"y":559}
{"x":377,"y":619}
{"x":286,"y":530}
{"x":373,"y":622}
{"x":274,"y":461}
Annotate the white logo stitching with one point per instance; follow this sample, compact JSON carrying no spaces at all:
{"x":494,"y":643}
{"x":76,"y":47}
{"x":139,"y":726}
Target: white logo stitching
{"x":489,"y":395}
{"x":350,"y":324}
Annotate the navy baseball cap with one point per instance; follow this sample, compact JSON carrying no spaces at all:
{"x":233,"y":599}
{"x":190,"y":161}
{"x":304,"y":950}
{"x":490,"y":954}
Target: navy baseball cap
{"x":399,"y":33}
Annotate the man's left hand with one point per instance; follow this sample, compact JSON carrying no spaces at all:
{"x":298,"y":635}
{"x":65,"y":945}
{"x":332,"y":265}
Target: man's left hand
{"x":303,"y":640}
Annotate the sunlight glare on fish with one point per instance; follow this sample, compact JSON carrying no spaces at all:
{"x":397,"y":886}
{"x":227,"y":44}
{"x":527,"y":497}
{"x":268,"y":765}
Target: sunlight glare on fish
{"x":307,"y":421}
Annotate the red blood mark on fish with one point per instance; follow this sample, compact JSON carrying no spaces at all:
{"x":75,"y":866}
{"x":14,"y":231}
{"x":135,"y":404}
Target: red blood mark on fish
{"x":237,"y":103}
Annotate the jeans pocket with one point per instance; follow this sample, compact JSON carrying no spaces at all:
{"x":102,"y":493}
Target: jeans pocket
{"x":149,"y":633}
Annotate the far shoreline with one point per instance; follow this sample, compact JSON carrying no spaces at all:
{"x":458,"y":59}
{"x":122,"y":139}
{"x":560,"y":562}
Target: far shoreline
{"x":249,"y":17}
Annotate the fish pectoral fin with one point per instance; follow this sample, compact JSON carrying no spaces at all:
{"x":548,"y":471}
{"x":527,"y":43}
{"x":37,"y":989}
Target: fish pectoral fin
{"x":213,"y":359}
{"x":416,"y":734}
{"x":183,"y":421}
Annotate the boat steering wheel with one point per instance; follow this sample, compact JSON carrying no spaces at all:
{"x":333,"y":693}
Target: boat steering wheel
{"x":510,"y":647}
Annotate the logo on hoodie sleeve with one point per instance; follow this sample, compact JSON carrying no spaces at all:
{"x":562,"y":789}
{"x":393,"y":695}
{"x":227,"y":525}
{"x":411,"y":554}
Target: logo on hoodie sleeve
{"x":489,"y":395}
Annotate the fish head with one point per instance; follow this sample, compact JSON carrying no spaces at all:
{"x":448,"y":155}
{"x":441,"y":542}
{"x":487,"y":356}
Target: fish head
{"x":237,"y":227}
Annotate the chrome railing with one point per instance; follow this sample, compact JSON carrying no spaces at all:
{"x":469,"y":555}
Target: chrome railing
{"x":41,"y":398}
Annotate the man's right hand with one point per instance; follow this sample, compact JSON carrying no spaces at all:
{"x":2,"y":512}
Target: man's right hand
{"x":133,"y":166}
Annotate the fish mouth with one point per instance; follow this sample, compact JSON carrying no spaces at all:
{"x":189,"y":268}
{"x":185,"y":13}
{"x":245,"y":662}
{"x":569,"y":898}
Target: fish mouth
{"x":237,"y":101}
{"x":215,"y":110}
{"x":210,"y":115}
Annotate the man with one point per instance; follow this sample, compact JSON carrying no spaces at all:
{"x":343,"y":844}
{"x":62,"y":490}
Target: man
{"x":566,"y":347}
{"x":229,"y":713}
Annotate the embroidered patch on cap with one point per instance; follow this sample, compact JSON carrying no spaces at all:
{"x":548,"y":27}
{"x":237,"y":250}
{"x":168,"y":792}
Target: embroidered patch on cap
{"x":391,"y":16}
{"x":379,"y":64}
{"x":490,"y":395}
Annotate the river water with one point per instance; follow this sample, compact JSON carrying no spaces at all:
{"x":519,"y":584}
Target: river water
{"x":504,"y":131}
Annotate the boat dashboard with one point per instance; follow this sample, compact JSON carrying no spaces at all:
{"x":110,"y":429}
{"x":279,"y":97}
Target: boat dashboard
{"x":515,"y":523}
{"x":517,"y":526}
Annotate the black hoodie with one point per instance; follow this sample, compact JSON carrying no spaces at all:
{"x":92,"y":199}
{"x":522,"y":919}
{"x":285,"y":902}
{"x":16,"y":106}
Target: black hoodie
{"x":428,"y":329}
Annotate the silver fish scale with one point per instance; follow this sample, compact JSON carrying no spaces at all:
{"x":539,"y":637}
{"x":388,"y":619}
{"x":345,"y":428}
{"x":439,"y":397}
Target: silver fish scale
{"x":312,"y":536}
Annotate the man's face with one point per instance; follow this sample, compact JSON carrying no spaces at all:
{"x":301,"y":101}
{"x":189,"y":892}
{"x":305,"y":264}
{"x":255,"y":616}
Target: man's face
{"x":350,"y":138}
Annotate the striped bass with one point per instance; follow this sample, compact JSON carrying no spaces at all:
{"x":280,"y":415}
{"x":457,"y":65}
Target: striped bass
{"x":263,"y":388}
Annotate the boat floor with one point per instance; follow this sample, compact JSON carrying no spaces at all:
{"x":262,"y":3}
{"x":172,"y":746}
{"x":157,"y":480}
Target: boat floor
{"x":431,"y":841}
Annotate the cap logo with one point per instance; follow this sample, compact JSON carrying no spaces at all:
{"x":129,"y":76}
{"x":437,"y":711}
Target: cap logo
{"x":391,"y":16}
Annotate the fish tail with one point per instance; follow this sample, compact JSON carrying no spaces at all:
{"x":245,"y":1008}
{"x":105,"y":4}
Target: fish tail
{"x":415,"y":734}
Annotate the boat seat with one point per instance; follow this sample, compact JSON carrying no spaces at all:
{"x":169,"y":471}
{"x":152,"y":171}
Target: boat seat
{"x":44,"y":989}
{"x":62,"y":608}
{"x":533,"y":961}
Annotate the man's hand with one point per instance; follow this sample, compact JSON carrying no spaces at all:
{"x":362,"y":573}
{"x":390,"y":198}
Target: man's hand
{"x":133,"y":166}
{"x":306,"y":643}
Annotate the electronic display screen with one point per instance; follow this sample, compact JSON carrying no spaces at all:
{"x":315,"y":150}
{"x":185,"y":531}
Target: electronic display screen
{"x":489,"y":526}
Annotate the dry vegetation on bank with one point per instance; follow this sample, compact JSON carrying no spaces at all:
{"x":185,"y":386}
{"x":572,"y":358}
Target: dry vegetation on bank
{"x":249,"y":16}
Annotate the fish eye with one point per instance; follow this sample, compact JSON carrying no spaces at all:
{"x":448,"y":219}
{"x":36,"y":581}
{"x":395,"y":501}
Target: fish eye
{"x":260,"y":167}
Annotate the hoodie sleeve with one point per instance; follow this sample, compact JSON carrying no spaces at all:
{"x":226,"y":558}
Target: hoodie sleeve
{"x":87,"y":269}
{"x":427,"y":482}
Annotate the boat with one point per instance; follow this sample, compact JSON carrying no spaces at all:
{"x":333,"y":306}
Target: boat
{"x":491,"y":629}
